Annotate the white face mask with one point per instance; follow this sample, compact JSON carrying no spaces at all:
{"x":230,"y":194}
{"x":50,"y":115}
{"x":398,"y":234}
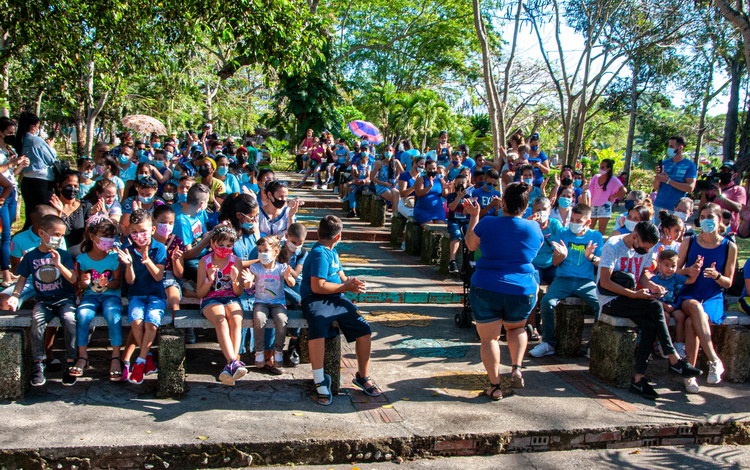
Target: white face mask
{"x":576,"y":228}
{"x":630,"y":224}
{"x":543,"y":217}
{"x":292,"y":247}
{"x":54,"y":243}
{"x":267,"y":257}
{"x":681,"y":215}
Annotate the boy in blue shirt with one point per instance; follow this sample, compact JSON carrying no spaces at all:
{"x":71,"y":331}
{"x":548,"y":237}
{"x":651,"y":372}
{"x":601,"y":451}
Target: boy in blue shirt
{"x":457,"y":220}
{"x":323,"y":302}
{"x":575,"y":254}
{"x":53,"y":275}
{"x":667,"y":277}
{"x":487,"y":196}
{"x":144,"y":262}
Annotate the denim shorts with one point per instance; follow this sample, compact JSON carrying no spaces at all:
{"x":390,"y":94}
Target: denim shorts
{"x":321,"y":311}
{"x":456,"y":229}
{"x":219,"y":300}
{"x":602,"y":212}
{"x":488,"y":306}
{"x":171,"y":281}
{"x":147,"y":308}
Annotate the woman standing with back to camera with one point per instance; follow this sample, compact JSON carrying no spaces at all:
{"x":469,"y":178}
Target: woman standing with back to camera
{"x":38,"y":182}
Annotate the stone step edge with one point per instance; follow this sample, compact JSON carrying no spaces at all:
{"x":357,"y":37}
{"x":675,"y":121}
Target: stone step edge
{"x":349,"y":451}
{"x":378,"y":297}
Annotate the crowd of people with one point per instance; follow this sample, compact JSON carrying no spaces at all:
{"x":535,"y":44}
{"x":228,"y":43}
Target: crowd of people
{"x":531,"y":226}
{"x":159,"y":220}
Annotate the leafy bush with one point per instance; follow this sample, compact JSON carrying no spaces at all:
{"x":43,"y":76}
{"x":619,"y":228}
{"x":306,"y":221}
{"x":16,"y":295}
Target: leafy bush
{"x":591,"y":164}
{"x":641,"y":180}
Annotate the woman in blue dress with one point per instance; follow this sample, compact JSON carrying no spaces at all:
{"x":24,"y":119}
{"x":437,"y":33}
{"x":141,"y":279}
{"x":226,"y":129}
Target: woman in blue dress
{"x":430,"y":192}
{"x":384,"y":174}
{"x":709,"y":261}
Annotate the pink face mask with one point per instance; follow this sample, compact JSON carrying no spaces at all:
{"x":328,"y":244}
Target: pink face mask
{"x":106,"y":244}
{"x":141,"y":238}
{"x":164,"y":230}
{"x":222,"y":251}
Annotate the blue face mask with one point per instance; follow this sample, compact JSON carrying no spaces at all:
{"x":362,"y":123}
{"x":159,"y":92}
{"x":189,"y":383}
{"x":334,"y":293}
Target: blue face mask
{"x":528,"y":180}
{"x":708,"y":225}
{"x":182,"y":197}
{"x":156,"y":145}
{"x":177,"y":174}
{"x":577,"y":183}
{"x":222,"y":171}
{"x":159,"y":164}
{"x":565,"y":202}
{"x":247,"y":225}
{"x":489,"y":186}
{"x":123,"y":159}
{"x":534,"y":148}
{"x":671,"y":153}
{"x":145,"y":200}
{"x":244,"y":178}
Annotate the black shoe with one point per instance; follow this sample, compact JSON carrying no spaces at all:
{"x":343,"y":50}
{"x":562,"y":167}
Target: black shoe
{"x":684,"y":369}
{"x":37,"y":374}
{"x":644,"y":389}
{"x":190,"y":336}
{"x":351,"y":215}
{"x":67,"y":379}
{"x":452,"y":266}
{"x":54,"y":365}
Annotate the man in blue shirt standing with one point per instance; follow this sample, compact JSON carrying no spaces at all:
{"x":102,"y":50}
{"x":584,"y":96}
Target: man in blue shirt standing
{"x":575,"y":256}
{"x":675,"y":176}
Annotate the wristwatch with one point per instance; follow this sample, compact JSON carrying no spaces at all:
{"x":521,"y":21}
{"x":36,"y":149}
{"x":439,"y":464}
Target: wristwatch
{"x":718,"y":275}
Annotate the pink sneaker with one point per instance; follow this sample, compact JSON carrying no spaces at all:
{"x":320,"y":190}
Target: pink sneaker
{"x":125,"y":371}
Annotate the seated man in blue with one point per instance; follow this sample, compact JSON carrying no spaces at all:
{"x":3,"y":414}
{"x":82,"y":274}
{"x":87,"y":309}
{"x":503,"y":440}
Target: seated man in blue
{"x":575,"y":254}
{"x":323,"y":302}
{"x":487,"y":196}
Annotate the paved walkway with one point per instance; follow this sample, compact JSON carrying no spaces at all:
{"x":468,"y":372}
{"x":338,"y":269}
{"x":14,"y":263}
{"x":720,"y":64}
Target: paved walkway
{"x":431,"y":374}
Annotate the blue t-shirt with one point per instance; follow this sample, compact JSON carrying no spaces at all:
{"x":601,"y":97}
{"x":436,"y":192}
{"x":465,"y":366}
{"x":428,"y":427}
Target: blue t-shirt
{"x":252,"y":187}
{"x":189,"y":228}
{"x":406,"y":176}
{"x":128,"y":174}
{"x":246,"y":247}
{"x":673,"y":284}
{"x":321,"y":262}
{"x":48,"y":281}
{"x":668,"y":196}
{"x":484,"y":198}
{"x":551,"y":233}
{"x":454,"y":171}
{"x":458,"y":214}
{"x":470,"y":163}
{"x":25,"y":241}
{"x":508,"y":245}
{"x":575,"y":264}
{"x":145,"y":284}
{"x":231,"y":184}
{"x":538,"y":175}
{"x":101,"y":272}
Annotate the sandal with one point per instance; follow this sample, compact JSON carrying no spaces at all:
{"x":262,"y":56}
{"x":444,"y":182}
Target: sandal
{"x":491,"y":395}
{"x":326,"y":383}
{"x":76,"y":371}
{"x":115,"y":375}
{"x":361,"y":382}
{"x":517,"y":381}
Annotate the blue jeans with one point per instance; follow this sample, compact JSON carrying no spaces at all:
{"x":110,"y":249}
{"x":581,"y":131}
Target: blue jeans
{"x":353,"y":190}
{"x":561,"y":288}
{"x":146,"y":308}
{"x":246,"y":344}
{"x":7,"y":217}
{"x":111,"y":308}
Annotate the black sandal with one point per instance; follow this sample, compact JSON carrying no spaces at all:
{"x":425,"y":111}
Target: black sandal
{"x":516,"y":381}
{"x":326,"y":383}
{"x":78,"y":371}
{"x":115,"y":375}
{"x":491,"y":395}
{"x":360,"y":382}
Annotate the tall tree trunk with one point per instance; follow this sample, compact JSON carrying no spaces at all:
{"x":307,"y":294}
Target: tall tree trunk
{"x":38,"y":102}
{"x":732,"y":120}
{"x":92,"y":110}
{"x":5,"y":91}
{"x":80,"y":131}
{"x":631,"y":124}
{"x":489,"y":79}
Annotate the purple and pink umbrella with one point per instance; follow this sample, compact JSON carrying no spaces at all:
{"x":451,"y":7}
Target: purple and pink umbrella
{"x":366,"y":130}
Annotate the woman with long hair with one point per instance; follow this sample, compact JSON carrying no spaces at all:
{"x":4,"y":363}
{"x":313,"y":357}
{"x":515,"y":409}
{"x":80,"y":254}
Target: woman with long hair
{"x":38,"y":184}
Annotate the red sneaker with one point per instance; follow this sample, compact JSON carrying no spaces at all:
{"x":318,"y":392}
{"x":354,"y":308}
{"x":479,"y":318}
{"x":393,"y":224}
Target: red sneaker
{"x":150,"y":365}
{"x":136,"y":375}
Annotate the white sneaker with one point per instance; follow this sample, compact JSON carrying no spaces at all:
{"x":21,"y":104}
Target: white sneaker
{"x":315,"y":186}
{"x":680,"y":348}
{"x":542,"y":349}
{"x":691,"y":385}
{"x":325,"y":186}
{"x":715,"y":369}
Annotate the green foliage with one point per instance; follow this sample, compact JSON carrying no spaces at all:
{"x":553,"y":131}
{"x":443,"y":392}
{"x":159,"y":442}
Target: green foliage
{"x":591,"y":164}
{"x":277,"y":149}
{"x":641,"y":180}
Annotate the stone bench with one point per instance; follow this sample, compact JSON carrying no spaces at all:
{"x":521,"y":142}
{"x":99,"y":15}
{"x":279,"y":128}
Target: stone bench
{"x":435,"y":245}
{"x":569,"y":320}
{"x":377,"y":211}
{"x":613,"y":344}
{"x":364,"y":204}
{"x":413,"y":237}
{"x":398,"y":227}
{"x":15,"y":355}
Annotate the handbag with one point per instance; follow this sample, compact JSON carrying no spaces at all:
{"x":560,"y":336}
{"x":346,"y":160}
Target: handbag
{"x":620,"y":278}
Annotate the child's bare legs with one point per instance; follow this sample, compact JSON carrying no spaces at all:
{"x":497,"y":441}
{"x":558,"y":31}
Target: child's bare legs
{"x":602,"y":223}
{"x":362,"y":347}
{"x":679,"y":327}
{"x":454,"y":248}
{"x":216,"y":314}
{"x":173,"y":299}
{"x":234,"y":316}
{"x":129,"y":347}
{"x":137,"y":329}
{"x":149,"y":335}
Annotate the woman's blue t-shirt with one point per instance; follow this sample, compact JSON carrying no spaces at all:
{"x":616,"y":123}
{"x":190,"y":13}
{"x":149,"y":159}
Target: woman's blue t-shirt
{"x":508,"y":245}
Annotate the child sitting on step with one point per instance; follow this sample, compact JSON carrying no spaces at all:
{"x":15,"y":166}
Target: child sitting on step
{"x":323,"y":302}
{"x":667,"y":277}
{"x":219,"y":286}
{"x":269,"y":277}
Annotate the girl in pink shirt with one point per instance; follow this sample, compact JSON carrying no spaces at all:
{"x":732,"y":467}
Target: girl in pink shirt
{"x":605,"y":190}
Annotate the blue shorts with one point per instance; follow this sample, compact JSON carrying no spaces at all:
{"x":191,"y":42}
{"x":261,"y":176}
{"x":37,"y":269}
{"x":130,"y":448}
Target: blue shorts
{"x":488,"y":306}
{"x":381,"y":189}
{"x":456,"y":228}
{"x":147,"y":308}
{"x":219,"y":300}
{"x":714,"y":307}
{"x":321,"y":311}
{"x":171,"y":281}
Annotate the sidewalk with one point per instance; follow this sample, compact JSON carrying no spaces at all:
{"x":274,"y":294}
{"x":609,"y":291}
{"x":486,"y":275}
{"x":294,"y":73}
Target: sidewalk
{"x":430,"y":372}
